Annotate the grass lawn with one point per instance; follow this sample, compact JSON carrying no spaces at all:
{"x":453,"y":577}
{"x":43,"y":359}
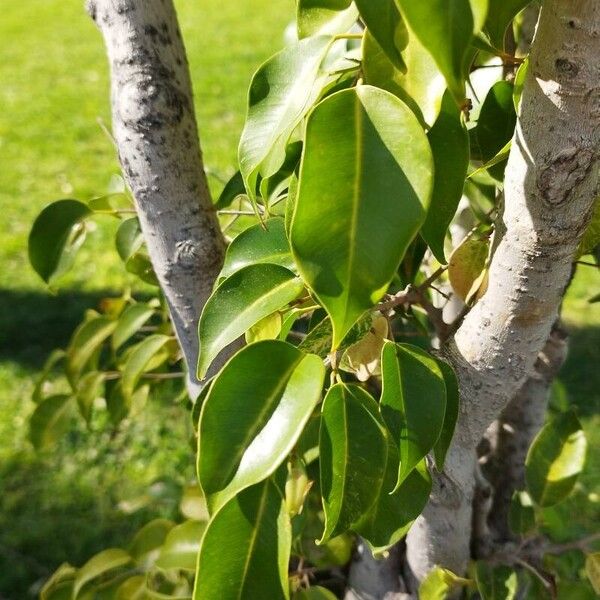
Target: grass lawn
{"x":53,"y":90}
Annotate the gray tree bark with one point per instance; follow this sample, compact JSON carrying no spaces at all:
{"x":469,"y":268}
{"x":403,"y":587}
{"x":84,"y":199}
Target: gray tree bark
{"x":155,"y":130}
{"x":551,"y":183}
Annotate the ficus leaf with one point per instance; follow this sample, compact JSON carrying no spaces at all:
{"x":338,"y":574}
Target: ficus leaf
{"x":60,"y":585}
{"x":100,"y":564}
{"x":450,"y":146}
{"x":234,"y":188}
{"x":353,"y":453}
{"x":314,"y":592}
{"x":129,"y":242}
{"x":325,"y":17}
{"x":367,"y":173}
{"x":413,"y":402}
{"x":181,"y":545}
{"x":241,"y":301}
{"x":281,"y":93}
{"x":521,"y":515}
{"x":147,"y":542}
{"x":466,"y":265}
{"x":495,"y":583}
{"x":253,"y":415}
{"x":259,"y":244}
{"x":441,"y":447}
{"x":131,"y":320}
{"x":256,"y":526}
{"x":55,"y":237}
{"x":439,"y":583}
{"x":555,"y":459}
{"x":49,"y":420}
{"x":364,"y":357}
{"x":500,"y":15}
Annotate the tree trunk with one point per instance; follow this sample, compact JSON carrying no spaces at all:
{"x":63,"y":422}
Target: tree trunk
{"x":157,"y":138}
{"x":551,"y":183}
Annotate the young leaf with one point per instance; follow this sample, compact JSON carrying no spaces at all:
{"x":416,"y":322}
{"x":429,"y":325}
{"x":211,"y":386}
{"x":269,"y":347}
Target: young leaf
{"x":383,"y":20}
{"x":130,"y":322}
{"x":367,"y":174}
{"x":55,"y":237}
{"x":500,"y":15}
{"x":445,"y":28}
{"x":254,"y":565}
{"x":137,"y":362}
{"x":99,"y":565}
{"x":49,"y":420}
{"x":555,"y":459}
{"x":466,"y":265}
{"x":241,"y":301}
{"x":325,"y":17}
{"x":439,"y":583}
{"x":440,"y":448}
{"x":413,"y":402}
{"x":495,"y":583}
{"x":281,"y":93}
{"x":259,"y":244}
{"x":181,"y":545}
{"x":254,"y":414}
{"x":353,"y":452}
{"x":393,"y":514}
{"x":450,"y":146}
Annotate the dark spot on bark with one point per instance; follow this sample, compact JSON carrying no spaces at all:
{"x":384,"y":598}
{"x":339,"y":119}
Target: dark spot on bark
{"x":566,"y":68}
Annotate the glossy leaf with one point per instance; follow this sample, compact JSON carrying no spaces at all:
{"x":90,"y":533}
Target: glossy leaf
{"x":466,"y":265}
{"x":325,"y":17}
{"x":495,"y":583}
{"x":592,"y":570}
{"x":367,"y":173}
{"x":555,"y":460}
{"x":233,"y":189}
{"x":241,"y":301}
{"x":55,"y":237}
{"x":413,"y":402}
{"x":147,"y":542}
{"x":281,"y":93}
{"x":393,"y":514}
{"x":445,"y":28}
{"x":98,"y":565}
{"x":255,"y":563}
{"x":49,"y":420}
{"x":450,"y":146}
{"x":314,"y":592}
{"x":439,"y":583}
{"x":267,"y":328}
{"x":181,"y":545}
{"x":353,"y":453}
{"x":193,"y":504}
{"x":383,"y":20}
{"x":86,"y":340}
{"x":131,"y":320}
{"x":259,"y":244}
{"x":137,"y":362}
{"x":441,"y":447}
{"x":500,"y":15}
{"x":521,"y":515}
{"x":254,"y":414}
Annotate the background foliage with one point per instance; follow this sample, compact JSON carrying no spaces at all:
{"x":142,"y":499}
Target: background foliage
{"x":53,"y":72}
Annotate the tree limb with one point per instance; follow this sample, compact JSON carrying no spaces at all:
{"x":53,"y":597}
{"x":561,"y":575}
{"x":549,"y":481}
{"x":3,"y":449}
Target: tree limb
{"x":157,"y":138}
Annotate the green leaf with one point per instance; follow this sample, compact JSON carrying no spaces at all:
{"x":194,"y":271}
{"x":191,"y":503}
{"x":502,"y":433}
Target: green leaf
{"x":131,"y":320}
{"x":49,"y":420}
{"x":56,"y":356}
{"x":55,"y":237}
{"x":383,"y":20}
{"x":521,"y":516}
{"x":60,"y":585}
{"x":137,"y":362}
{"x":393,"y":514}
{"x":86,"y":340}
{"x":440,"y":448}
{"x":445,"y":28}
{"x":193,"y":504}
{"x":466,"y":264}
{"x":362,"y":146}
{"x":181,"y":545}
{"x":325,"y":17}
{"x":281,"y":93}
{"x":233,"y":189}
{"x":254,"y":414}
{"x":259,"y":244}
{"x":495,"y":127}
{"x":591,"y":237}
{"x":130,"y":241}
{"x":413,"y":402}
{"x":592,"y":570}
{"x":500,"y":15}
{"x":241,"y":301}
{"x":268,"y":328}
{"x":147,"y":542}
{"x":111,"y":204}
{"x":89,"y":387}
{"x":439,"y":583}
{"x":555,"y":459}
{"x":450,"y":146}
{"x":495,"y":583}
{"x":254,"y":563}
{"x":99,"y":565}
{"x":314,"y":592}
{"x":353,"y":451}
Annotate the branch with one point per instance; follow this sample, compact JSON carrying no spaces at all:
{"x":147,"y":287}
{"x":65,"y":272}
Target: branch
{"x":157,"y":138}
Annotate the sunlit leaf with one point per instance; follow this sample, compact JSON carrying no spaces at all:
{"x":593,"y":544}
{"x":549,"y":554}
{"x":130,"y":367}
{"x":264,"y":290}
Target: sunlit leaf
{"x":146,"y":544}
{"x":98,"y":565}
{"x":466,"y":265}
{"x":325,"y":17}
{"x":181,"y":545}
{"x":50,"y":420}
{"x":131,"y":320}
{"x":439,"y":583}
{"x":500,"y":15}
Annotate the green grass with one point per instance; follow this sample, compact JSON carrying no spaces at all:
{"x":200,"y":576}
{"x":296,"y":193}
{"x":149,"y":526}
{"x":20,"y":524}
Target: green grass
{"x":54,"y":87}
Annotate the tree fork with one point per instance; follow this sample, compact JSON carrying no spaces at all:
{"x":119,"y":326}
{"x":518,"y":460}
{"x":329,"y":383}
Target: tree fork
{"x":551,"y":184}
{"x":155,"y":130}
